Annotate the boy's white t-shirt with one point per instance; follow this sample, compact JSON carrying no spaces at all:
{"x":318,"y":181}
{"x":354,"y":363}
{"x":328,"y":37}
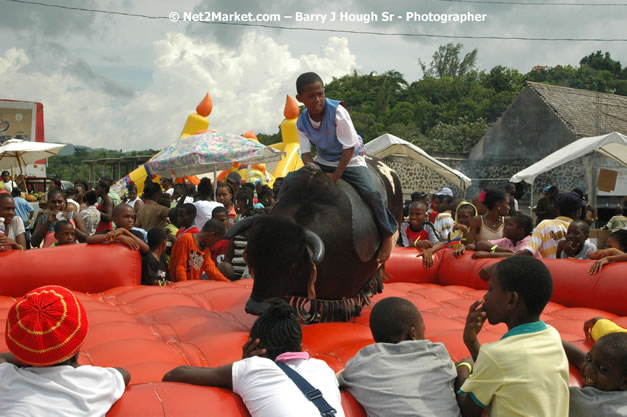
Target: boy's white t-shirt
{"x":58,"y":391}
{"x":15,"y":228}
{"x":346,"y":135}
{"x":268,"y":392}
{"x":203,"y":211}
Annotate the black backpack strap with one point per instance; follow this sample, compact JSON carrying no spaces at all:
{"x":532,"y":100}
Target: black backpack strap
{"x":314,"y":395}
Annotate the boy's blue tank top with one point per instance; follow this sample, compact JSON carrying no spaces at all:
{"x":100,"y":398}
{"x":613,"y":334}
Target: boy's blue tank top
{"x":325,"y":137}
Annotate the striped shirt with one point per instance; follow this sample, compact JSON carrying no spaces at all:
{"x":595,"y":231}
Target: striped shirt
{"x":546,"y":236}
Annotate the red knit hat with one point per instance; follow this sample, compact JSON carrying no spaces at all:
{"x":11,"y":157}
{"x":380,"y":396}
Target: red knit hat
{"x":46,"y":327}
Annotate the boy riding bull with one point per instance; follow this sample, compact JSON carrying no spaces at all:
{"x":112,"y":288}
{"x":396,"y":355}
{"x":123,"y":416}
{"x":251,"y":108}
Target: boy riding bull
{"x":340,"y":152}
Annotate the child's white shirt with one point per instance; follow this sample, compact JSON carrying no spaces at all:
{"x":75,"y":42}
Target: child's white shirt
{"x":58,"y":391}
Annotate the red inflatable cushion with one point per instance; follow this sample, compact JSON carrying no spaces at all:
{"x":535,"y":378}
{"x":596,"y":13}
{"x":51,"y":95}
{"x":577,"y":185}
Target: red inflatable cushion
{"x":150,"y":330}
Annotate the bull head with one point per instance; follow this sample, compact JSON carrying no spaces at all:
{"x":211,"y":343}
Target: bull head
{"x":316,"y":249}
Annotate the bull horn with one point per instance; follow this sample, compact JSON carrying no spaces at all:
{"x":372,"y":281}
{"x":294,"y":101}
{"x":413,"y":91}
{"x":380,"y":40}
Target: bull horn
{"x":317,"y":246}
{"x":239,"y":227}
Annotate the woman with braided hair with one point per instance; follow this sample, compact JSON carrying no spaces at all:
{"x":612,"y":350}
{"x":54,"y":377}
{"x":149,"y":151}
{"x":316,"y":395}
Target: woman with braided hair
{"x":265,"y":389}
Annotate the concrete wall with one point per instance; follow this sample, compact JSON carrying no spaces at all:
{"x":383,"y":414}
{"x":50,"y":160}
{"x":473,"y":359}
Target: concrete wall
{"x":529,"y":129}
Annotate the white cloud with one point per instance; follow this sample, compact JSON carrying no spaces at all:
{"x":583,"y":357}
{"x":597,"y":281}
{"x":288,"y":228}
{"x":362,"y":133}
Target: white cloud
{"x":247,"y":84}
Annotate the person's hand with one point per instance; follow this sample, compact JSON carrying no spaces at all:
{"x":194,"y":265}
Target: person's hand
{"x":460,"y":250}
{"x":115,"y":234}
{"x":427,"y":259}
{"x":424,"y":244}
{"x":6,"y":243}
{"x":128,"y":241}
{"x":52,"y":216}
{"x":569,"y":249}
{"x":588,"y":325}
{"x":251,"y":348}
{"x":332,"y":176}
{"x":474,"y":323}
{"x":481,"y":254}
{"x":461,"y":227}
{"x":597,"y":265}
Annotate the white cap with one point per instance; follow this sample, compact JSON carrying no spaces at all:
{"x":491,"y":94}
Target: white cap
{"x":445,"y":191}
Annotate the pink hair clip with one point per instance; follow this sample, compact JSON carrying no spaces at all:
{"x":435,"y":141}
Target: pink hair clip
{"x":482,"y":196}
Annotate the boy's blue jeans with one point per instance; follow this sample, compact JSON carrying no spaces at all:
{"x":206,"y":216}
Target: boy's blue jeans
{"x":359,"y":178}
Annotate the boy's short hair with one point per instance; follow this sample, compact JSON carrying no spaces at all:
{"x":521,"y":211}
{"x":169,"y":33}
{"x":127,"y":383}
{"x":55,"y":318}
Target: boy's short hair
{"x":218,"y":210}
{"x":131,"y":186}
{"x":190,"y":209}
{"x":214,"y":226}
{"x":392,"y":318}
{"x":585,"y":227}
{"x":119,"y":208}
{"x":91,"y":198}
{"x":618,"y":343}
{"x":418,"y":195}
{"x":172,"y":213}
{"x":306,"y":79}
{"x":524,"y":221}
{"x":528,"y":277}
{"x":16,"y":192}
{"x":155,"y":237}
{"x":151,"y":189}
{"x":278,"y":329}
{"x":61,"y":224}
{"x":417,"y":203}
{"x":46,"y":327}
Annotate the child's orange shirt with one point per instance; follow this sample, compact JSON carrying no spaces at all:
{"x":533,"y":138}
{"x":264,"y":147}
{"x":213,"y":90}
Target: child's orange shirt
{"x":188,"y":262}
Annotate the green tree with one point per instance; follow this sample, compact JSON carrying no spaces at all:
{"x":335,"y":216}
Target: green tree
{"x":446,"y":62}
{"x":602,"y":62}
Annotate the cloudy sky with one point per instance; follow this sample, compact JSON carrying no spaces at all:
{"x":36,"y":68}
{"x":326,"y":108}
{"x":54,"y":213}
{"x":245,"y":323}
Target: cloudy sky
{"x":122,"y":81}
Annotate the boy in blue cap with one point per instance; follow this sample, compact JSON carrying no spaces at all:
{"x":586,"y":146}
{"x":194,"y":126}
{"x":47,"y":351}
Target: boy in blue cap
{"x":340,"y":151}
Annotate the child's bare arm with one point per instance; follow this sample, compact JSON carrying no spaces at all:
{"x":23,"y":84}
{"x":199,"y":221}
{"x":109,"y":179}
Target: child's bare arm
{"x":474,"y":323}
{"x":307,"y":158}
{"x":211,"y":377}
{"x":125,"y":375}
{"x":142,"y":246}
{"x":95,"y":239}
{"x":598,"y":265}
{"x":496,"y":254}
{"x":602,"y":253}
{"x":475,"y":224}
{"x":467,"y":406}
{"x":427,"y":254}
{"x":575,"y":355}
{"x":40,"y":229}
{"x":347,"y":154}
{"x":80,"y":230}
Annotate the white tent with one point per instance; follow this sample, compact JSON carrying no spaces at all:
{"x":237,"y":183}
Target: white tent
{"x":613,"y":145}
{"x":387,"y":144}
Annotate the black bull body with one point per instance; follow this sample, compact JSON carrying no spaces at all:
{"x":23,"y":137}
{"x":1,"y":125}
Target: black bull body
{"x":338,"y":286}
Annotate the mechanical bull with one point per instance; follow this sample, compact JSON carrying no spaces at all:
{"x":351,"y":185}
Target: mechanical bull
{"x":317,"y":248}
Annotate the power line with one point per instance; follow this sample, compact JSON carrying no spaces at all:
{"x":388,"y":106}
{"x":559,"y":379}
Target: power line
{"x":536,"y":3}
{"x":310,"y":29}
